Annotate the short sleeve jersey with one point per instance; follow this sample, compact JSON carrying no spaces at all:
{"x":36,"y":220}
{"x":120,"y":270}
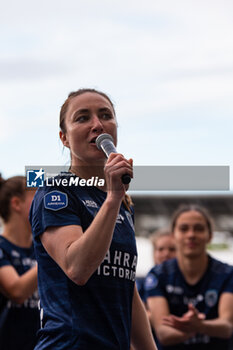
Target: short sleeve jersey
{"x":18,"y":322}
{"x":167,"y":280}
{"x":96,"y":315}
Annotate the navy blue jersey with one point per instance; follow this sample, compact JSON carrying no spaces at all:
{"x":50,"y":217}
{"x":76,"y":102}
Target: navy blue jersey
{"x":140,"y":281}
{"x":18,"y":322}
{"x":96,"y":315}
{"x":167,"y":280}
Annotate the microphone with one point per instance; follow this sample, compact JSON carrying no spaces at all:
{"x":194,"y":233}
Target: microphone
{"x":104,"y":142}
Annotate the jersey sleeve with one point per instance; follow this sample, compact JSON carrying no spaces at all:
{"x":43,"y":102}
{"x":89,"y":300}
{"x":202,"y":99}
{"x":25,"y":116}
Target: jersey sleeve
{"x":54,"y":207}
{"x":228,"y":285}
{"x":153,"y":285}
{"x":4,"y":259}
{"x":132,"y":214}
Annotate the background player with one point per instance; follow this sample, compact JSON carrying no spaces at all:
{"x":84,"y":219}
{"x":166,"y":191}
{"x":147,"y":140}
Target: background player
{"x":19,"y":314}
{"x":190,"y":298}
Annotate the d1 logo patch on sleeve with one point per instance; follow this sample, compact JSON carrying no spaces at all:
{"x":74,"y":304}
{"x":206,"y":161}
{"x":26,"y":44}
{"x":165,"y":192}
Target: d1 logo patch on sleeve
{"x":55,"y":200}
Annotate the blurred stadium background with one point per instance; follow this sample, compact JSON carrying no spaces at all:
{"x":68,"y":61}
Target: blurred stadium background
{"x":154,"y":211}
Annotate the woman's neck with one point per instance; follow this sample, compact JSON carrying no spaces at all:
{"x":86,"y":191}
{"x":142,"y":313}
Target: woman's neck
{"x":18,"y":232}
{"x":192,"y":268}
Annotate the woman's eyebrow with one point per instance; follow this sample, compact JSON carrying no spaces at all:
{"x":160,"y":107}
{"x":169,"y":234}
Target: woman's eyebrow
{"x":80,"y":111}
{"x":86,"y":111}
{"x":83,"y":110}
{"x":105,"y":109}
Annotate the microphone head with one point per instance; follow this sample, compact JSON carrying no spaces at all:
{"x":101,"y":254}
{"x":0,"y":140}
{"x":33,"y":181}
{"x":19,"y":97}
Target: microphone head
{"x":101,"y":138}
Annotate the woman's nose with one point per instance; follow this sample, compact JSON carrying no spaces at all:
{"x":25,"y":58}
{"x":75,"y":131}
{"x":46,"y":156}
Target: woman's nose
{"x":96,"y":124}
{"x":191,"y":232}
{"x":167,"y":254}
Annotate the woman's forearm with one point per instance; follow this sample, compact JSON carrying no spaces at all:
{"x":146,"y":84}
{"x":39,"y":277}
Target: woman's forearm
{"x":141,"y":335}
{"x":169,"y":336}
{"x":19,"y":287}
{"x":86,"y":254}
{"x":218,"y":327}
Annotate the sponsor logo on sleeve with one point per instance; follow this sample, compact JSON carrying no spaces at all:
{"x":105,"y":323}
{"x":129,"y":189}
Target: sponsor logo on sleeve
{"x":55,"y":200}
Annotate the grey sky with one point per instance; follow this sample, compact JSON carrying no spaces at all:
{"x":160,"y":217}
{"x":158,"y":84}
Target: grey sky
{"x":168,"y":66}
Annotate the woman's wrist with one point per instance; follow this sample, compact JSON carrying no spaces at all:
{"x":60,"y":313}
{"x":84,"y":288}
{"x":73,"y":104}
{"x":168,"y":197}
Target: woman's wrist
{"x":113,"y":200}
{"x":200,"y":327}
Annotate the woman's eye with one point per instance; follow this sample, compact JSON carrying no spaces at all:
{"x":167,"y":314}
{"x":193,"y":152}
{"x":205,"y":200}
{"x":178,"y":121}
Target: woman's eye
{"x":199,"y":228}
{"x":81,"y":118}
{"x":106,"y":116}
{"x":183,"y":228}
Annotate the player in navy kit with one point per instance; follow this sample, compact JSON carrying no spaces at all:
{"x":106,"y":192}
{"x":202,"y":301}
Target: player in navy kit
{"x":84,"y":241}
{"x":19,"y":314}
{"x":191,"y":297}
{"x":163,"y":249}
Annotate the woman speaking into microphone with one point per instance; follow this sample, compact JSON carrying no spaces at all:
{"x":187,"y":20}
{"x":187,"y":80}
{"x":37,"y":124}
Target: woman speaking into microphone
{"x":84,"y":241}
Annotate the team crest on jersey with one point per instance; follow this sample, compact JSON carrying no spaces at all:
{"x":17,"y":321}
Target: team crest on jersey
{"x":151,"y":281}
{"x":211,"y":297}
{"x":55,"y":200}
{"x":129,"y":217}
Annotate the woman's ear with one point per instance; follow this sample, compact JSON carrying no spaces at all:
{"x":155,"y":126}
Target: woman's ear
{"x":15,"y":203}
{"x":64,"y":139}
